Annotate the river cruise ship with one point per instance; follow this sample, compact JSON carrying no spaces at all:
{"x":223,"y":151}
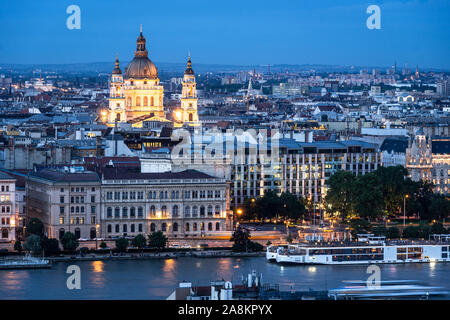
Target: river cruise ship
{"x":372,"y":250}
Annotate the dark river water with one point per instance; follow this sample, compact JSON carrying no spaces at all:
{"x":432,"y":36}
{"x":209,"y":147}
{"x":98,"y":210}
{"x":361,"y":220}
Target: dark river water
{"x":156,"y":279}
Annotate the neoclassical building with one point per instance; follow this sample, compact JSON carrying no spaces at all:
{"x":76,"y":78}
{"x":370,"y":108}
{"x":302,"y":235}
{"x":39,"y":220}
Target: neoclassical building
{"x":137,"y":95}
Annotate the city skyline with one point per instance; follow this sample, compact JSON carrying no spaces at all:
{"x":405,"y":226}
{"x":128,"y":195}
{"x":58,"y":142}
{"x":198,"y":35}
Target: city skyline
{"x":234,"y":34}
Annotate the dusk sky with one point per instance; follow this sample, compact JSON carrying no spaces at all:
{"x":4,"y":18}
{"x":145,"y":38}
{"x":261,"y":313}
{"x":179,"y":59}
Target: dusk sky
{"x":229,"y":32}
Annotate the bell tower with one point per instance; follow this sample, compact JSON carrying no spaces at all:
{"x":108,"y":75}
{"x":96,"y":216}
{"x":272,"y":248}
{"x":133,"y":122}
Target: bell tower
{"x":188,"y":113}
{"x":116,"y":96}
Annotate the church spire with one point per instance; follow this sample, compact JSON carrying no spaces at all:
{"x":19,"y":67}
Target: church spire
{"x":140,"y":42}
{"x":116,"y":69}
{"x":189,"y":69}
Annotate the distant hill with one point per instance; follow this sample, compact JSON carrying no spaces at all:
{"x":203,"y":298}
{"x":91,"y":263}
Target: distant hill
{"x":106,"y":67}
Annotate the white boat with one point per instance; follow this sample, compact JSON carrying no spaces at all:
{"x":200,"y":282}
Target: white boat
{"x":26,"y":262}
{"x":361,"y":252}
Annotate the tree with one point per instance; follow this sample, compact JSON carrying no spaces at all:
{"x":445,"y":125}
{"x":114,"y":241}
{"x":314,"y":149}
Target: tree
{"x":268,"y":206}
{"x":380,"y":231}
{"x":289,"y":239}
{"x":394,"y":185}
{"x":157,"y":240}
{"x":438,"y":228}
{"x":368,"y":200}
{"x":393,"y":233}
{"x":291,"y":206}
{"x":424,"y":196}
{"x":50,"y":246}
{"x":241,"y":239}
{"x":439,"y":207}
{"x":139,"y":241}
{"x":33,"y":244}
{"x":18,"y":246}
{"x":34,"y":226}
{"x":103,"y":245}
{"x":122,"y":244}
{"x":411,"y":232}
{"x":69,"y":242}
{"x":359,"y":226}
{"x":341,"y":189}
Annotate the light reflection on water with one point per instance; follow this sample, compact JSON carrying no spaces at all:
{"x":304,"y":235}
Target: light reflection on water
{"x":156,"y":279}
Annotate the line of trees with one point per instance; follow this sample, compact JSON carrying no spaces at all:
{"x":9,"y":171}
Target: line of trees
{"x":382,"y":193}
{"x":271,"y":206}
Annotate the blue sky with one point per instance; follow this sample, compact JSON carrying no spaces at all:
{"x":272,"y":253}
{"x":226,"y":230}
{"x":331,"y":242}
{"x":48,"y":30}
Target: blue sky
{"x":229,"y":32}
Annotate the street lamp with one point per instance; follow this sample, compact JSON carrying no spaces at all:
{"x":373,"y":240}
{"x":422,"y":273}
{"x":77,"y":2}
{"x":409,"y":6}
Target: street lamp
{"x":404,"y":210}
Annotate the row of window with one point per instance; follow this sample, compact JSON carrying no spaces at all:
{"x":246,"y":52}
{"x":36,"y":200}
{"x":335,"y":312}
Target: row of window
{"x":77,"y":220}
{"x":5,"y":209}
{"x":124,"y":228}
{"x":187,"y":227}
{"x":153,"y":195}
{"x":76,"y":209}
{"x":189,"y":211}
{"x":75,"y":199}
{"x":5,"y":221}
{"x":77,"y":189}
{"x":5,"y":188}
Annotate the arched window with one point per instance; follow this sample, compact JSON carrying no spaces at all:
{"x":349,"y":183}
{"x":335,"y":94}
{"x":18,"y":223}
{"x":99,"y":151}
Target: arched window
{"x":152,"y":101}
{"x":187,"y":211}
{"x":202,"y":211}
{"x":163,"y":211}
{"x":109,"y":228}
{"x":77,"y":233}
{"x":117,"y":228}
{"x":194,"y":227}
{"x":152,"y":227}
{"x":210,"y":210}
{"x":194,"y":211}
{"x":116,"y":212}
{"x":177,"y":195}
{"x":61,"y":233}
{"x":124,"y":228}
{"x":210,"y":226}
{"x":217,"y":226}
{"x":132,"y":228}
{"x":191,"y":117}
{"x":175,"y":227}
{"x":145,"y":101}
{"x":133,"y":212}
{"x":138,"y":101}
{"x":202,"y":226}
{"x":152,"y":211}
{"x":109,"y":212}
{"x":125,"y":212}
{"x":164,"y":227}
{"x":175,"y":211}
{"x":217,"y":210}
{"x":140,"y":212}
{"x":173,"y":195}
{"x":186,"y":227}
{"x":93,"y":233}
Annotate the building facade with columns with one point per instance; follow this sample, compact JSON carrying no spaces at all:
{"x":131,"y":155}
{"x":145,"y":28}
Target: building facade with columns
{"x":182,"y":204}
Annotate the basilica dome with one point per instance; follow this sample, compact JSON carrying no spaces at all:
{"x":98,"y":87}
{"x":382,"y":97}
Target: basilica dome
{"x":141,"y":67}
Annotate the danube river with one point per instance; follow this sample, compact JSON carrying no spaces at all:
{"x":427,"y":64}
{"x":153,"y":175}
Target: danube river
{"x":156,"y":279}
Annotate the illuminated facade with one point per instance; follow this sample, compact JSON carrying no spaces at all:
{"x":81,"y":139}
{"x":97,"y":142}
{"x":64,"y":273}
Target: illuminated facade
{"x":137,"y":95}
{"x":181,"y":204}
{"x":429,"y":159}
{"x":8,"y":214}
{"x":187,"y":114}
